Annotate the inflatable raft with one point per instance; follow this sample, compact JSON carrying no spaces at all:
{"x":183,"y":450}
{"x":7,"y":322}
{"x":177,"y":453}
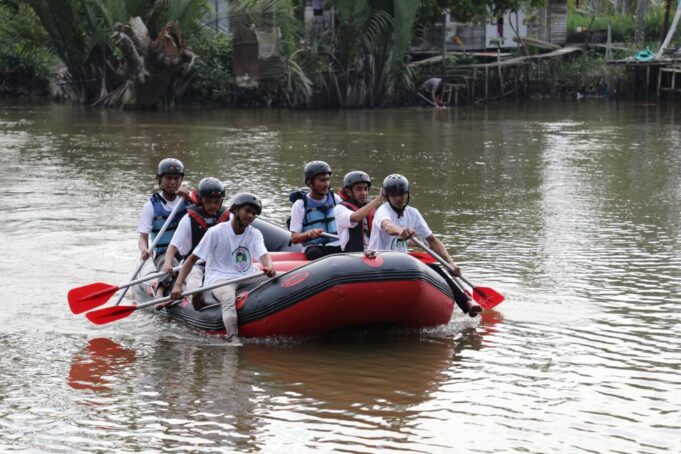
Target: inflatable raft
{"x":328,"y":294}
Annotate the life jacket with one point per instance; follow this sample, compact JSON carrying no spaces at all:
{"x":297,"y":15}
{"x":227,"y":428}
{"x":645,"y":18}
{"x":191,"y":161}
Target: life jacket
{"x":357,"y":233}
{"x":318,"y":215}
{"x":202,"y":221}
{"x":160,"y":216}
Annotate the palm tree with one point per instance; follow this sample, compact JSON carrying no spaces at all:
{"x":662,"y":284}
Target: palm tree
{"x":89,"y":36}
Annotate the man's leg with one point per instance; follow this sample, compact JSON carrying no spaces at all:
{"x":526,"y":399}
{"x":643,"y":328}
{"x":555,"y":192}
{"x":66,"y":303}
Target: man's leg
{"x":227,"y":295}
{"x":195,"y":280}
{"x":166,"y":281}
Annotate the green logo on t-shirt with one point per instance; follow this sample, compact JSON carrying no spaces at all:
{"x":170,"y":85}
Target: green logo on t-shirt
{"x":241,"y":259}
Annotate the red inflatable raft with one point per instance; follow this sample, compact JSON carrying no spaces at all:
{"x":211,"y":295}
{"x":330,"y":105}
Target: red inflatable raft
{"x":334,"y":292}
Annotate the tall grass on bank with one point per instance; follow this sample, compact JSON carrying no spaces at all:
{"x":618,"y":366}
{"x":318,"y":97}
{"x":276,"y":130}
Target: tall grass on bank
{"x":623,"y":26}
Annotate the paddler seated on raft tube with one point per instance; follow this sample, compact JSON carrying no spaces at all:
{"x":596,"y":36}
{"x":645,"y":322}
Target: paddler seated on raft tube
{"x":312,"y":213}
{"x":355,"y":214}
{"x":229,"y":249}
{"x":155,"y":212}
{"x":395,"y":222}
{"x":208,"y":212}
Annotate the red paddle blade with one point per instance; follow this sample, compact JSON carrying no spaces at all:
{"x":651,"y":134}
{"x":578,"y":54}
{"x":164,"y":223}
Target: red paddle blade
{"x":424,"y":257}
{"x":110,"y":314}
{"x":88,"y":297}
{"x":487,"y":297}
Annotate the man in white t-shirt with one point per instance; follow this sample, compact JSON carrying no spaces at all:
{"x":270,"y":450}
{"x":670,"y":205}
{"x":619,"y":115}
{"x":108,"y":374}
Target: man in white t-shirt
{"x":229,"y":249}
{"x":395,"y":222}
{"x":354,"y":215}
{"x":156,"y":211}
{"x":312,"y":214}
{"x":192,"y":228}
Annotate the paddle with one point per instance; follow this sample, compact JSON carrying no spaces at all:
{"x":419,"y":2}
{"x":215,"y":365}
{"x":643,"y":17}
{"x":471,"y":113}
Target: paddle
{"x":426,"y":99}
{"x":485,"y":296}
{"x":86,"y":297}
{"x":113,"y":313}
{"x":177,"y":207}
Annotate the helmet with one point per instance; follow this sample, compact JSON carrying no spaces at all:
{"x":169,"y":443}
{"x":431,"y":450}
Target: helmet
{"x":314,"y":168}
{"x":354,"y":177}
{"x":395,"y":184}
{"x":246,"y":198}
{"x":170,"y":165}
{"x":211,"y":187}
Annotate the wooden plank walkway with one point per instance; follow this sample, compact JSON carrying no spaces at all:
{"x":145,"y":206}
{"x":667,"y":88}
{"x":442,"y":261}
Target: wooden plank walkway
{"x":520,"y":60}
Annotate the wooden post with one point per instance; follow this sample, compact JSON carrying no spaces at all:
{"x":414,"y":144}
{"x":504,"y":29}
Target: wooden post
{"x":444,"y":44}
{"x":517,"y":75}
{"x":647,"y":81}
{"x":486,"y":83}
{"x":475,"y":78}
{"x":501,"y":80}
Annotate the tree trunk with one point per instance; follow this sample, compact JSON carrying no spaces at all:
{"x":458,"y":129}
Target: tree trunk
{"x":639,"y":34}
{"x":665,"y":25}
{"x":153,"y":71}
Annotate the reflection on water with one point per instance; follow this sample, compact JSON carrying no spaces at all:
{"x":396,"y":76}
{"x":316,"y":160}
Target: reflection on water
{"x":570,"y":210}
{"x":101,"y":359}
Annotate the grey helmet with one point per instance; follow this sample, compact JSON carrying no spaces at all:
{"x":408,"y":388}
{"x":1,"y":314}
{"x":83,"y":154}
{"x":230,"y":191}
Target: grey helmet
{"x":354,"y":177}
{"x":314,"y":168}
{"x":246,"y":198}
{"x":395,"y":184}
{"x":170,"y":165}
{"x":210,"y":187}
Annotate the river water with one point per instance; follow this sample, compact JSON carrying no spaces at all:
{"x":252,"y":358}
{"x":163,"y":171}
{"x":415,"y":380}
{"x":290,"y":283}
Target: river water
{"x":571,"y":210}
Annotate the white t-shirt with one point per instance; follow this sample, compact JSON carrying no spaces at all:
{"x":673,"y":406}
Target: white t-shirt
{"x":147,"y":217}
{"x":228,"y":255}
{"x":344,"y":224}
{"x":182,"y":238}
{"x":298,"y":214}
{"x":411,"y":218}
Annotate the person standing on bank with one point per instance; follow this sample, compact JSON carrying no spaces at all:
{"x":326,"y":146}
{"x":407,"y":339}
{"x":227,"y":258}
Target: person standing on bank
{"x":395,"y":222}
{"x":312,"y":213}
{"x":435,"y":88}
{"x":208,"y":212}
{"x":156,"y":211}
{"x":354,"y":215}
{"x":229,"y":249}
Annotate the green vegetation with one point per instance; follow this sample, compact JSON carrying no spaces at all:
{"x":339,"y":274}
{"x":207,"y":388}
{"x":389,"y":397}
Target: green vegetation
{"x":622,"y":25}
{"x":146,"y":53}
{"x":26,"y":64}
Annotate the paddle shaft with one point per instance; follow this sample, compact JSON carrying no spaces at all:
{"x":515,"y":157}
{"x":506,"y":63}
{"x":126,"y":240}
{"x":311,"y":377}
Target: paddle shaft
{"x":149,"y":277}
{"x":177,"y":207}
{"x":431,"y":102}
{"x":197,"y":290}
{"x":434,"y":254}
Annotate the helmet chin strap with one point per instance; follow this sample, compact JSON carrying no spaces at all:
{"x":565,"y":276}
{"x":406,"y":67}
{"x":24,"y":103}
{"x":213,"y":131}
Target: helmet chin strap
{"x":400,"y":211}
{"x":238,"y":220}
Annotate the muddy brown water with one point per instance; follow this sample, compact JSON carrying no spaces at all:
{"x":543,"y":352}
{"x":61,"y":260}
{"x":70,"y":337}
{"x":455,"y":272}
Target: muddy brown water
{"x":569,"y":209}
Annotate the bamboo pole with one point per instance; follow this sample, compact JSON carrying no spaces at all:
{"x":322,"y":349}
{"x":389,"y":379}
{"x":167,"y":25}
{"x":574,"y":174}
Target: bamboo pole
{"x":670,"y":33}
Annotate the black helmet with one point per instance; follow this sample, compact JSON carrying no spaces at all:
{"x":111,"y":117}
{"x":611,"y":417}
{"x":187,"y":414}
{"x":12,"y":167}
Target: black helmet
{"x":170,"y":165}
{"x":314,"y":168}
{"x":354,"y":177}
{"x":246,"y":198}
{"x":395,"y":184}
{"x":211,"y":187}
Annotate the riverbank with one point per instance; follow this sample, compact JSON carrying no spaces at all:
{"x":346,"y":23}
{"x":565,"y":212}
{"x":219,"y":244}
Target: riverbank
{"x":584,"y":74}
